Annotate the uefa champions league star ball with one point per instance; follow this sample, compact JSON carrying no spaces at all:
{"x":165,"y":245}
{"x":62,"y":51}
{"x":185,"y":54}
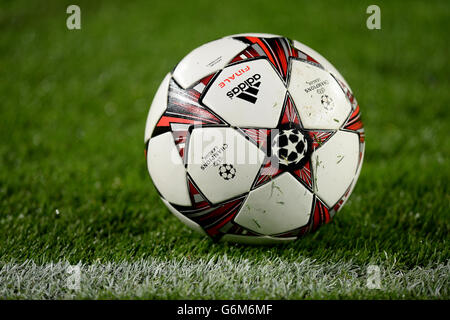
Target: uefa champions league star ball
{"x":254,"y":138}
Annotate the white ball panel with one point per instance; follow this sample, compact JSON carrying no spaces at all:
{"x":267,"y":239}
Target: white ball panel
{"x":281,"y":205}
{"x":208,"y":149}
{"x":358,"y":171}
{"x":319,"y":99}
{"x":164,"y":164}
{"x":334,"y":166}
{"x":255,"y":239}
{"x":268,"y":92}
{"x":260,"y":35}
{"x":191,"y":224}
{"x":205,"y":60}
{"x":157,"y":108}
{"x":320,"y":59}
{"x":355,"y":179}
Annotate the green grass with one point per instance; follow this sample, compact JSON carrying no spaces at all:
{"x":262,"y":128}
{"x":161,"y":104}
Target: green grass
{"x":72,"y":117}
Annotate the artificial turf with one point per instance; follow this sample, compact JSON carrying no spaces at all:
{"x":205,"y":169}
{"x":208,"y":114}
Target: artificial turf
{"x":73,"y":179}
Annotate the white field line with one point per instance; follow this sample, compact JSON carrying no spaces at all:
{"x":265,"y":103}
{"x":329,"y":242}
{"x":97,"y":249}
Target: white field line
{"x":218,"y":278}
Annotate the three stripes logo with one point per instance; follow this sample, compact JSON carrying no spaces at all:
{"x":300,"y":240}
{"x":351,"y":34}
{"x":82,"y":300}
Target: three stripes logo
{"x":250,"y":93}
{"x":247,"y":90}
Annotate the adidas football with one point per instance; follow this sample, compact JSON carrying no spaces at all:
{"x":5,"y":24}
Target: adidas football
{"x":254,"y":138}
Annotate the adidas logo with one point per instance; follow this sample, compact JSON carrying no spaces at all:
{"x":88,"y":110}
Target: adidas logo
{"x":247,"y":90}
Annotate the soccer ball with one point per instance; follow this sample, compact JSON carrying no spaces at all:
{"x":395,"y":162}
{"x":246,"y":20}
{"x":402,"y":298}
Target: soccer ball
{"x":254,"y":138}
